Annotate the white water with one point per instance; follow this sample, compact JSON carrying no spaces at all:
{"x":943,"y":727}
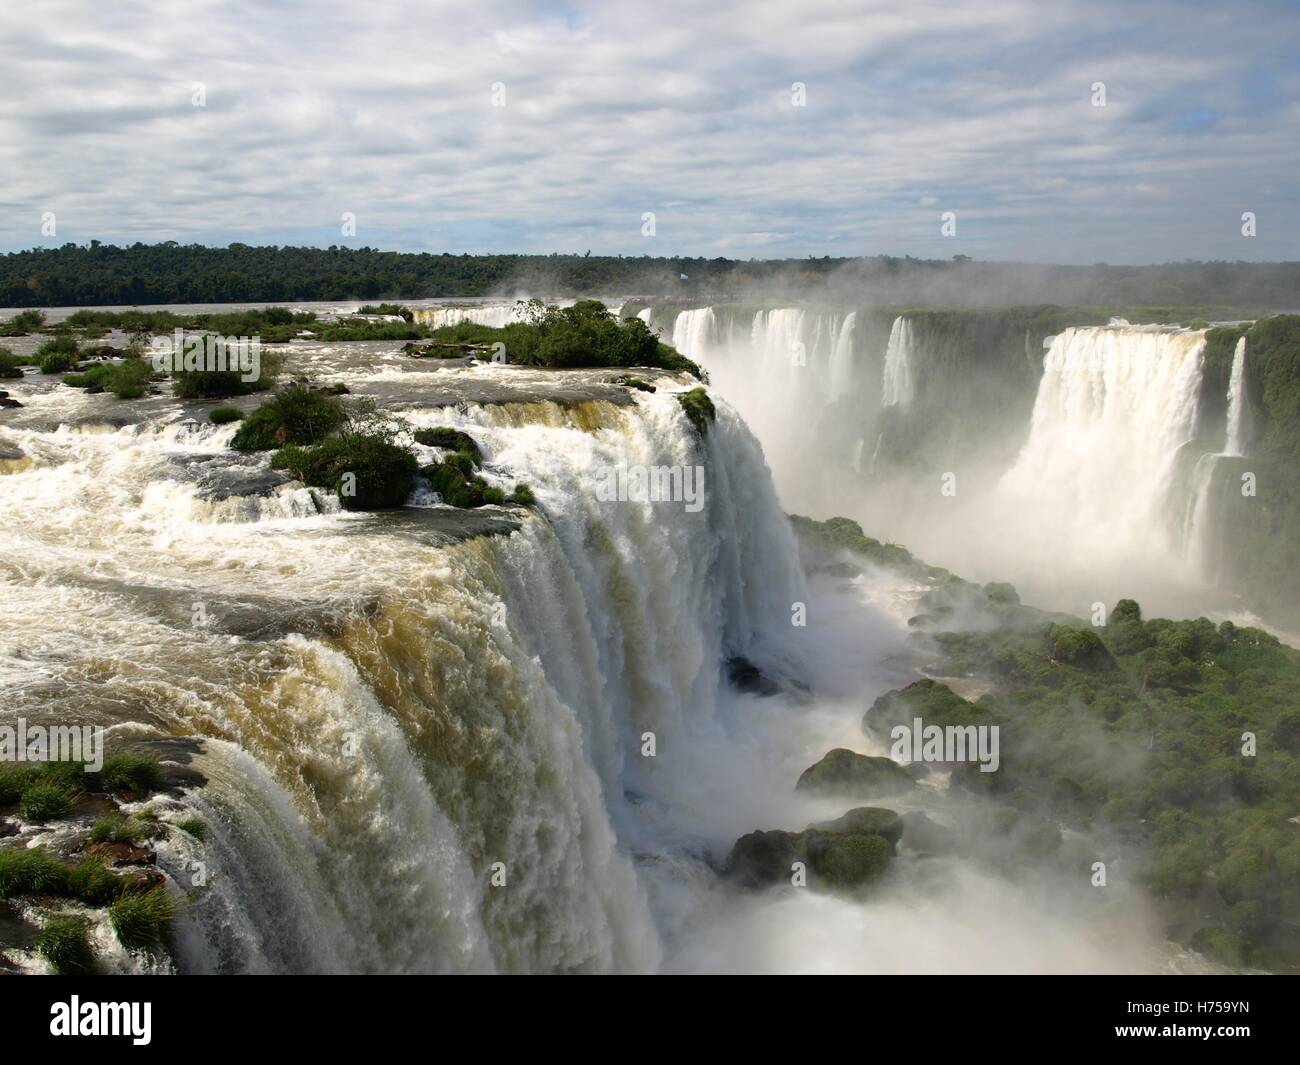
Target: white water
{"x":1236,"y":401}
{"x":495,"y":315}
{"x":897,"y":387}
{"x":1197,"y":531}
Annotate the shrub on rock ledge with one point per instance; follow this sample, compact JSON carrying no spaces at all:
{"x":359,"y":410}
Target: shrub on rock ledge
{"x":367,"y":471}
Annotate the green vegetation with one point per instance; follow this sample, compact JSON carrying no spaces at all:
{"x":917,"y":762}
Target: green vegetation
{"x":455,"y":478}
{"x":586,"y":334}
{"x":224,"y":415}
{"x":57,"y":355}
{"x":828,"y":538}
{"x":117,"y":829}
{"x":128,"y":379}
{"x":1179,"y":739}
{"x":30,"y":871}
{"x":65,"y":943}
{"x":10,"y":367}
{"x":103,"y":274}
{"x":130,"y":772}
{"x":847,"y":854}
{"x":845,"y":771}
{"x":395,"y":309}
{"x":44,"y":790}
{"x":294,"y":415}
{"x":22,"y":323}
{"x":93,"y":882}
{"x":143,"y":921}
{"x":45,"y":800}
{"x":1142,"y":729}
{"x":698,"y":407}
{"x":450,"y":440}
{"x":194,"y":826}
{"x":634,"y":382}
{"x":348,"y":329}
{"x":364,"y":468}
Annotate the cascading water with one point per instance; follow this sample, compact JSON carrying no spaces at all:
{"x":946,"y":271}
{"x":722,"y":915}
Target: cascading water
{"x":1197,"y":526}
{"x":1114,"y":406}
{"x":495,"y":315}
{"x":897,"y":388}
{"x":388,"y":719}
{"x":1236,"y":401}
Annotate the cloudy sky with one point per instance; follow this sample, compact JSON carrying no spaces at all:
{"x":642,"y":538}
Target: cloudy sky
{"x":497,"y":126}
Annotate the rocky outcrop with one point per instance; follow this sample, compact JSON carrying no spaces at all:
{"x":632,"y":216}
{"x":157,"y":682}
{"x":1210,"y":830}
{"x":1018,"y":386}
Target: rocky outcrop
{"x":843,"y":771}
{"x":847,"y":854}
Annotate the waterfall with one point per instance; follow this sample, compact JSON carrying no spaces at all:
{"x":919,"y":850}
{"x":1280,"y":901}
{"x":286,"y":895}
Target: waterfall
{"x":1236,"y":400}
{"x":389,"y":719}
{"x":493,"y":314}
{"x":694,"y":331}
{"x":1114,"y":406}
{"x":897,"y":389}
{"x":841,"y":371}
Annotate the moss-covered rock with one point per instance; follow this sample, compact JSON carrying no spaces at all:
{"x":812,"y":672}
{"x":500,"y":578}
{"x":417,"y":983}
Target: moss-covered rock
{"x":843,"y":771}
{"x":760,"y":859}
{"x":865,"y":821}
{"x":843,"y":861}
{"x":932,"y":702}
{"x":699,"y":409}
{"x":847,"y":853}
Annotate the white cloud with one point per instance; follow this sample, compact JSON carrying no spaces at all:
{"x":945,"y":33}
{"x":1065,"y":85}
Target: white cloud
{"x":386,"y":110}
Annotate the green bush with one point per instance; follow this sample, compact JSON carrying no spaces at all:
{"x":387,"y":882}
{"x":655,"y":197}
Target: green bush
{"x":22,"y":323}
{"x":46,"y":800}
{"x":450,"y":440}
{"x":9,"y":366}
{"x":15,"y":777}
{"x":128,"y":379}
{"x":131,"y":772}
{"x":194,"y":826}
{"x":218,"y":384}
{"x":294,"y":415}
{"x":65,"y":943}
{"x":388,"y":308}
{"x":30,"y":871}
{"x":93,"y":882}
{"x":523,"y":495}
{"x":459,"y":485}
{"x":57,"y":355}
{"x":1081,"y":648}
{"x":143,"y":921}
{"x":114,"y":828}
{"x":224,"y":415}
{"x":382,"y":474}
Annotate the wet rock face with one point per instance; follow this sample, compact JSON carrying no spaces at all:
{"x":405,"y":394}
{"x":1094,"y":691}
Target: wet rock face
{"x":744,"y":676}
